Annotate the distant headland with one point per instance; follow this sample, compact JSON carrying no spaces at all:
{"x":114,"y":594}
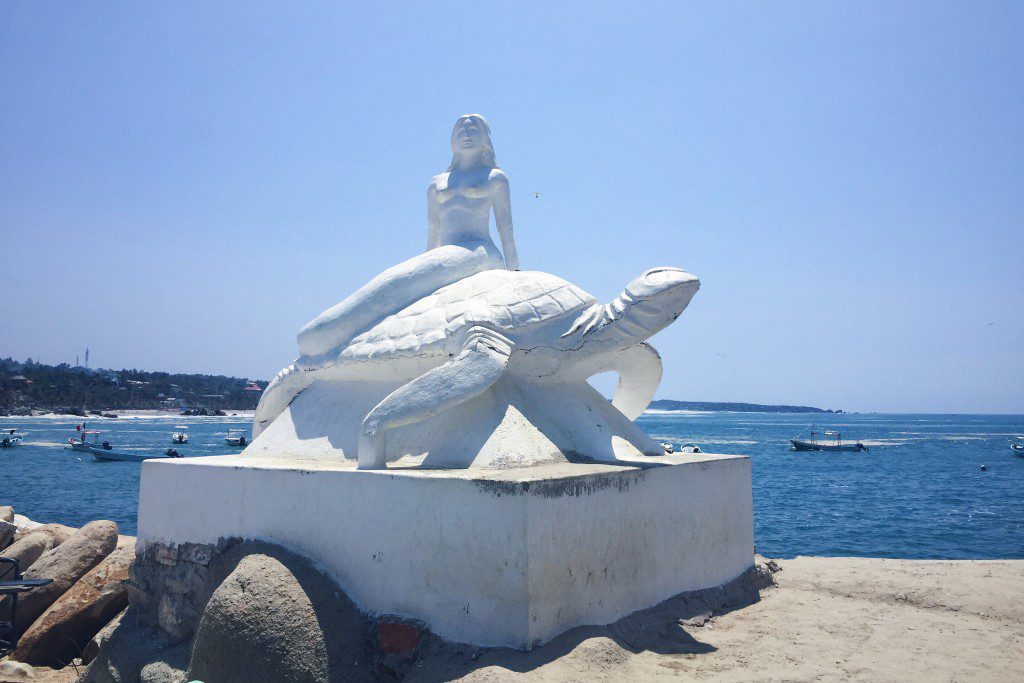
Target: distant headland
{"x":28,"y":388}
{"x":666,"y":404}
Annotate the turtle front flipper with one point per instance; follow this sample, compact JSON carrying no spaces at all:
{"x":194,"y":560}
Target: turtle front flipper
{"x":482,"y":360}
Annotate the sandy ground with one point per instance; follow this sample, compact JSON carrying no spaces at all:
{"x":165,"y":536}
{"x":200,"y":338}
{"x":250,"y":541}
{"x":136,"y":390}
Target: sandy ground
{"x":827,"y":619}
{"x":41,"y":674}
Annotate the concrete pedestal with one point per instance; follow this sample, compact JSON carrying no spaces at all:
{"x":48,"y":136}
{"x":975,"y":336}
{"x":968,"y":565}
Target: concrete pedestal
{"x":500,"y":558}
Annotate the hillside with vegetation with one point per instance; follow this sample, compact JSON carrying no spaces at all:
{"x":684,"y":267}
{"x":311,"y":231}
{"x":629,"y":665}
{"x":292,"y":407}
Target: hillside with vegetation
{"x":666,"y":404}
{"x":34,"y":387}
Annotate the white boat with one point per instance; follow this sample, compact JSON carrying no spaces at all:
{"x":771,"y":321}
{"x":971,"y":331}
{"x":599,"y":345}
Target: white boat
{"x":10,"y":436}
{"x":833,"y":442}
{"x":89,"y":442}
{"x":180,"y":436}
{"x":1018,"y":446}
{"x":237,"y":437}
{"x":685,"y":448}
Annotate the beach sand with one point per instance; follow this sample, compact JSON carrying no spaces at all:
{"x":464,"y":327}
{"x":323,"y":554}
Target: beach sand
{"x":827,"y":619}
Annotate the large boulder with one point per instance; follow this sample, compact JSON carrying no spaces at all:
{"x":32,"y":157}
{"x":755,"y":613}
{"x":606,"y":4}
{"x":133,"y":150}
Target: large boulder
{"x":65,"y":564}
{"x":66,"y":627}
{"x":28,"y":549}
{"x":58,"y":532}
{"x":260,"y":616}
{"x":279,"y":613}
{"x":7,"y":526}
{"x":126,"y":651}
{"x":7,"y":531}
{"x":23,"y":522}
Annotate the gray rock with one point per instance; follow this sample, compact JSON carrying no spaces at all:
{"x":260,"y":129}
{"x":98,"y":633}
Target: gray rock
{"x":7,"y":513}
{"x":127,"y":651}
{"x":288,"y":585}
{"x":65,"y":564}
{"x":261,"y":616}
{"x":98,"y":640}
{"x":67,"y":626}
{"x":58,"y":532}
{"x":16,"y":671}
{"x":28,"y":549}
{"x":23,"y":522}
{"x":7,"y":531}
{"x":161,"y":672}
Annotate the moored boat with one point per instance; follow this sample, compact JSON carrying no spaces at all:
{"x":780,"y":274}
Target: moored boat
{"x":833,"y":442}
{"x":237,"y":437}
{"x":89,"y":442}
{"x":180,"y":436}
{"x":10,"y":436}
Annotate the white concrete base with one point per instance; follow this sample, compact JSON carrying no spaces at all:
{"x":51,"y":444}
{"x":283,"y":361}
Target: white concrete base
{"x":490,"y":557}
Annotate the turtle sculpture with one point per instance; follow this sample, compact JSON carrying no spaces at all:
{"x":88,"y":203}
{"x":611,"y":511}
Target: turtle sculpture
{"x":455,"y":343}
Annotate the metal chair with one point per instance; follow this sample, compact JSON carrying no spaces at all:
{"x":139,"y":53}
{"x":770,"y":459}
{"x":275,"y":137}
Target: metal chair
{"x":13,"y":587}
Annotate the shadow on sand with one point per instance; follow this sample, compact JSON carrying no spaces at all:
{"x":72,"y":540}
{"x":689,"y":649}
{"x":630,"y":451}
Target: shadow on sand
{"x":668,"y":628}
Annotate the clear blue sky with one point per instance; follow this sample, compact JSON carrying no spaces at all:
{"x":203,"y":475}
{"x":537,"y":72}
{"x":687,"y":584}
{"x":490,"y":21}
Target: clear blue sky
{"x":184,"y":185}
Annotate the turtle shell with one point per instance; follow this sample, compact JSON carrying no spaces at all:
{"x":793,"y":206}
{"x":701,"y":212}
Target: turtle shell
{"x":506,"y":300}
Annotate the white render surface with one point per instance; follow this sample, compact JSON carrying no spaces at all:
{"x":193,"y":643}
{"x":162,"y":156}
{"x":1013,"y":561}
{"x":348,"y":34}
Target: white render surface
{"x":499,"y":557}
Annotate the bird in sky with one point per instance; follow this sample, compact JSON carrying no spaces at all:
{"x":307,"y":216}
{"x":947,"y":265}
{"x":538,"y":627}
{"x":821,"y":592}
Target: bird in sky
{"x":537,"y":195}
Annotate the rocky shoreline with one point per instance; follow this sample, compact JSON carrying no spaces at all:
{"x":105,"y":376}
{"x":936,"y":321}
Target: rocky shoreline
{"x":177,"y":613}
{"x":250,"y":610}
{"x":88,"y":567}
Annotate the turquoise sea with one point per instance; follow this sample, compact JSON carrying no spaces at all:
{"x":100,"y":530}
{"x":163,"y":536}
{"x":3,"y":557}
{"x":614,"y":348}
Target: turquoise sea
{"x":919,"y":492}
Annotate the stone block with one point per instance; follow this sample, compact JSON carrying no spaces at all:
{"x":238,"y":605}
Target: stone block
{"x":489,"y":557}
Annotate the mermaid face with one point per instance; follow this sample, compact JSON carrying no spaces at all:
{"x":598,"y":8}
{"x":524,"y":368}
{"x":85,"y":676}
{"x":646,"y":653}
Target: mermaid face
{"x":471,"y":143}
{"x":469,"y":134}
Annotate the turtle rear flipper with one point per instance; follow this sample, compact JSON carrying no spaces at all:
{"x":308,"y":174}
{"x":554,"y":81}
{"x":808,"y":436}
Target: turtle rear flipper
{"x":288,"y":384}
{"x":482,"y":360}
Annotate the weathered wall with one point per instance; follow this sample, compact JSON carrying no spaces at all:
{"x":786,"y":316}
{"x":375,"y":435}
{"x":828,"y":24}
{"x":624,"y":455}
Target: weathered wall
{"x":508,"y":557}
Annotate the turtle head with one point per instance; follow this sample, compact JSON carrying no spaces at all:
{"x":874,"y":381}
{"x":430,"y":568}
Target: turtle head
{"x":648,"y":305}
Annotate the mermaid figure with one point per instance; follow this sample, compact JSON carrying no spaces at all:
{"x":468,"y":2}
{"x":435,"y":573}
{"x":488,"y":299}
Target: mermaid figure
{"x":459,"y":205}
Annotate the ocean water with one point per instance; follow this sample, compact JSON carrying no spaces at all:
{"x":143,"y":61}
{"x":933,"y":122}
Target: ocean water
{"x":919,"y":492}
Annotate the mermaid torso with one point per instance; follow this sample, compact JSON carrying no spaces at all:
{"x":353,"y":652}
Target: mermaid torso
{"x":464,"y":209}
{"x":462,"y":246}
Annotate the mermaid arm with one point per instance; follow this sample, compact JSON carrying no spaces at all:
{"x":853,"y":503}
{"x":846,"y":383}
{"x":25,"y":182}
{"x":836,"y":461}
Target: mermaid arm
{"x":502,"y":204}
{"x":433,"y":219}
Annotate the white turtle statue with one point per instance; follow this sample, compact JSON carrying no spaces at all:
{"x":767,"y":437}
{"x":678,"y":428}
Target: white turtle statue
{"x":524,"y":327}
{"x":455,"y":358}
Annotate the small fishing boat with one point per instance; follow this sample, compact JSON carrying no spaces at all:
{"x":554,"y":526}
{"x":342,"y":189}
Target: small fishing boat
{"x":833,"y":442}
{"x":685,"y":448}
{"x":1018,"y":446}
{"x":10,"y":436}
{"x":180,"y":436}
{"x":236,"y":437}
{"x":89,"y":442}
